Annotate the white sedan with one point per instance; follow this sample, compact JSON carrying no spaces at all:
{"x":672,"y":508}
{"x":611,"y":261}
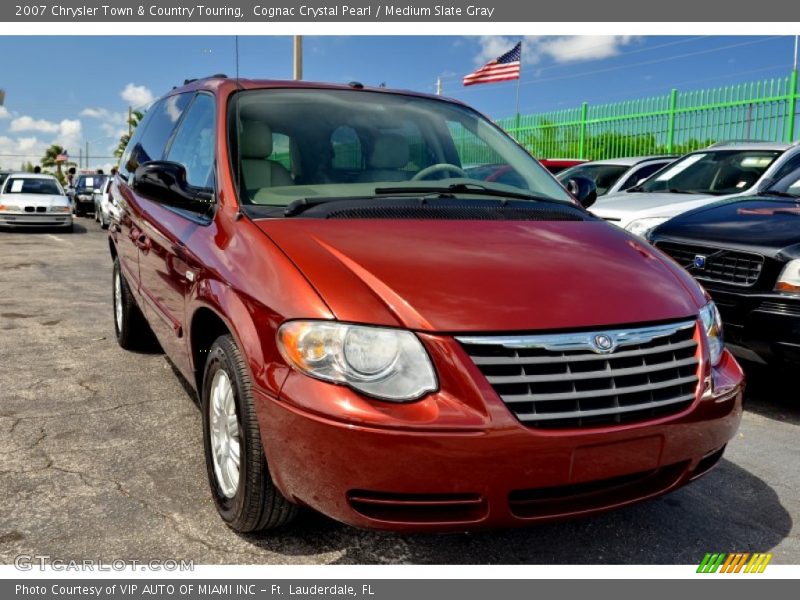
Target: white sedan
{"x":698,"y":179}
{"x":34,"y":200}
{"x":105,"y":207}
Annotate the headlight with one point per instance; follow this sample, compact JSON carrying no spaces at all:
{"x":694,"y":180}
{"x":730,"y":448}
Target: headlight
{"x":642,"y":227}
{"x":59,"y":209}
{"x":389,"y":364}
{"x":712,"y":324}
{"x":789,"y":280}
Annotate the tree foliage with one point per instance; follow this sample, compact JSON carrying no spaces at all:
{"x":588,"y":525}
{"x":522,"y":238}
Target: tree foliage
{"x":135,"y":118}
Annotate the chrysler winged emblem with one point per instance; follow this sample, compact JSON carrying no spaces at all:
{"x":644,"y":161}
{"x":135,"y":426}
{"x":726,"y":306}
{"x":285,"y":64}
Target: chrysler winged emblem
{"x":603,"y":344}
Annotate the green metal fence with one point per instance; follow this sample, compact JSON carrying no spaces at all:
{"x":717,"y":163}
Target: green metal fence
{"x":675,"y":123}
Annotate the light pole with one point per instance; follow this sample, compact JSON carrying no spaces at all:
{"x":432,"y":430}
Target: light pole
{"x":298,"y":57}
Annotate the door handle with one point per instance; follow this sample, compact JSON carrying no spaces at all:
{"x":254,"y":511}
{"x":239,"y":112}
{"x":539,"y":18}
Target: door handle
{"x":143,"y":243}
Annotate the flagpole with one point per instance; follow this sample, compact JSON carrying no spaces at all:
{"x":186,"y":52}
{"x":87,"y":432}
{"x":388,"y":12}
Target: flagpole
{"x":518,"y":81}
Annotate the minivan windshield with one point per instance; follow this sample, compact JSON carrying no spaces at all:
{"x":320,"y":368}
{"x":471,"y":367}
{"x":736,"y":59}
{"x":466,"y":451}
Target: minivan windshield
{"x":326,"y":143}
{"x":715,"y":172}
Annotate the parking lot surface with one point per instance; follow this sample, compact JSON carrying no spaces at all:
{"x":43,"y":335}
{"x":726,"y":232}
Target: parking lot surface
{"x":101,"y":454}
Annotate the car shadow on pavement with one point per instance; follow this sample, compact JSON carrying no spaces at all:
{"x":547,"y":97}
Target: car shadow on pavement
{"x":728,"y":510}
{"x":772,"y":393}
{"x":76,"y":228}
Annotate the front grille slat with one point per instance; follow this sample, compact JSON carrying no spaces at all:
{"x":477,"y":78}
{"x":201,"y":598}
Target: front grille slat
{"x":614,"y":391}
{"x":603,"y":411}
{"x":556,"y":381}
{"x":732,"y":267}
{"x":605,"y":373}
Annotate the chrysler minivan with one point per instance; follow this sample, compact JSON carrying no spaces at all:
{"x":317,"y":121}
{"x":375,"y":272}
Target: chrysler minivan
{"x":377,"y":332}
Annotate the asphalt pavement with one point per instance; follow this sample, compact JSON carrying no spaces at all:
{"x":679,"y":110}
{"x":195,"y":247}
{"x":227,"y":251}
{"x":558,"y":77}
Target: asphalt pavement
{"x":101,"y":455}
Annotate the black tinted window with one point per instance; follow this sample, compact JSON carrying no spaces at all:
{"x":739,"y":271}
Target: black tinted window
{"x":151,"y":136}
{"x":642,"y":173}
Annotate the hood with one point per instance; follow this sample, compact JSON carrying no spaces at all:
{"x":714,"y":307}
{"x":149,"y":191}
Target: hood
{"x":34,"y":200}
{"x":766,"y":224}
{"x":636,"y":205}
{"x":471,"y":276}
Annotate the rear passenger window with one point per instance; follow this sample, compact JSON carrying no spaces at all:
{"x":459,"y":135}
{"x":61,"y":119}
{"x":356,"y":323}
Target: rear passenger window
{"x":193,"y":146}
{"x":281,"y":150}
{"x":346,"y":148}
{"x":152,"y":134}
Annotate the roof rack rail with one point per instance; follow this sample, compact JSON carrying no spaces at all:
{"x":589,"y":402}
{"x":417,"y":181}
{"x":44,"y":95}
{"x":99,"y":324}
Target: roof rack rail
{"x":214,"y":76}
{"x":741,"y":141}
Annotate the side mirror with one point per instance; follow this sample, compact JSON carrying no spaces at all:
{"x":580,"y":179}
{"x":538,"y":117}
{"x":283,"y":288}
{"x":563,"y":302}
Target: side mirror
{"x":165,"y":182}
{"x":584,"y":190}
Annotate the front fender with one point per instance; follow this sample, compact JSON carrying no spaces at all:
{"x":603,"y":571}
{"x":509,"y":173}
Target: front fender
{"x":252,"y":327}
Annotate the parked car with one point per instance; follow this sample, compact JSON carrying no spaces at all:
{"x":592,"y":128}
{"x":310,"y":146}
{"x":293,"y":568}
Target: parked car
{"x":746,"y":252}
{"x":33,"y":200}
{"x":698,"y":179}
{"x":105,"y":210}
{"x":83,"y":194}
{"x":377,"y":336}
{"x":556,"y":165}
{"x":617,"y":174}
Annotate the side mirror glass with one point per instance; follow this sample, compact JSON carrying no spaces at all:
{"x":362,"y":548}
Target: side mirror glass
{"x":584,"y":190}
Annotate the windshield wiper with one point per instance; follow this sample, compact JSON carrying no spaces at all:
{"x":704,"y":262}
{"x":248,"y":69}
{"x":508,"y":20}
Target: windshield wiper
{"x":464,"y":188}
{"x":295,"y":207}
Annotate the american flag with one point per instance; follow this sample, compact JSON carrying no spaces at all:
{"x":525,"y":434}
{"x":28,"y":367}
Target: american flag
{"x":63,"y":157}
{"x":504,"y":68}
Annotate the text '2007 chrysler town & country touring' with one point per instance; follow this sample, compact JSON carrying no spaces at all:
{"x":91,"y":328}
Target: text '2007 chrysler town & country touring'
{"x":382,"y":331}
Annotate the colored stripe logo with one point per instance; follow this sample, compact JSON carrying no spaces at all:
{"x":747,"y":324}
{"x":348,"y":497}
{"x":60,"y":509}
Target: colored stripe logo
{"x":719,"y":562}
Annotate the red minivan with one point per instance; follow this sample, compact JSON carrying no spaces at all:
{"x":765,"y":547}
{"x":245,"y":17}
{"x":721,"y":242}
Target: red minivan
{"x":378,"y":332}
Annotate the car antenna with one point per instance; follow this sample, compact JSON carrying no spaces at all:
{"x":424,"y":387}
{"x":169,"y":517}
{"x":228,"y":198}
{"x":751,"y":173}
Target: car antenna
{"x":239,"y":177}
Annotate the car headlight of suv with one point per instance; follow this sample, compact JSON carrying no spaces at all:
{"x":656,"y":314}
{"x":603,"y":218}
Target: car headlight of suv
{"x":712,"y":326}
{"x":389,"y":364}
{"x":642,"y":227}
{"x":789,"y":279}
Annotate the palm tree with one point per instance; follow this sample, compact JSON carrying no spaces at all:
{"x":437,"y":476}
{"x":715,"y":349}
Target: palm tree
{"x":133,"y":122}
{"x":49,"y":160}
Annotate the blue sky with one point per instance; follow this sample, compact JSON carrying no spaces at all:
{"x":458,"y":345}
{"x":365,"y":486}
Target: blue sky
{"x":72,"y":90}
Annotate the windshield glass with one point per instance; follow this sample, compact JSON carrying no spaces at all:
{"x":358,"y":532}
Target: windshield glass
{"x":20,"y":185}
{"x":311,"y":143}
{"x":604,"y":176}
{"x":716,"y":172}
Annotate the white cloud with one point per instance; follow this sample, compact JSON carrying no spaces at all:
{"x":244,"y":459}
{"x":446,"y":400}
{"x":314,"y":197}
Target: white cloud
{"x":561,"y":49}
{"x":26,"y":123}
{"x":15,"y":151}
{"x":4,"y":114}
{"x":137,"y":96}
{"x":113,"y":124}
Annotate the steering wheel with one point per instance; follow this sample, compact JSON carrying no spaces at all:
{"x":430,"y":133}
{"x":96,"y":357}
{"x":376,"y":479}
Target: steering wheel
{"x":439,"y":168}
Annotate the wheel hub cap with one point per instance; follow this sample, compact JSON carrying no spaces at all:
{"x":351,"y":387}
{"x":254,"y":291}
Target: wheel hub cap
{"x":224,"y":430}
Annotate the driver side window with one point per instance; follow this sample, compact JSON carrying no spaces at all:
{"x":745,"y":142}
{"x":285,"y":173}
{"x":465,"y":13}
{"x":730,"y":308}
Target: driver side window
{"x":193,"y":145}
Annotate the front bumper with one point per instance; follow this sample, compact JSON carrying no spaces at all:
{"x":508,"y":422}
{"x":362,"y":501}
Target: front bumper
{"x":424,"y":467}
{"x":24,"y":219}
{"x":760,"y":326}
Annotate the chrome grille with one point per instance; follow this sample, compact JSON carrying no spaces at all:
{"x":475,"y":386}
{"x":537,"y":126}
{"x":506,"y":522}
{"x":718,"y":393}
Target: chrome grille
{"x":720,"y":265}
{"x":577,"y":380}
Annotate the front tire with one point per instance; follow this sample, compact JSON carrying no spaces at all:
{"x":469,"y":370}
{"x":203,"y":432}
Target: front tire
{"x":243,"y":491}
